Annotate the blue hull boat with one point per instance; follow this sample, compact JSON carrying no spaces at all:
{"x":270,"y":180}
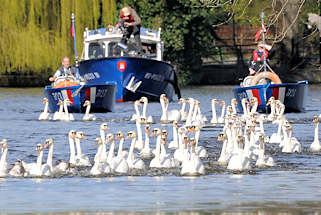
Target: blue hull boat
{"x":101,"y":96}
{"x":292,"y":95}
{"x":135,"y":77}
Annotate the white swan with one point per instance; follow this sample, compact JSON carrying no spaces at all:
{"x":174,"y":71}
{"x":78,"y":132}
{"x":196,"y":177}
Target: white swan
{"x":189,"y":117}
{"x":102,"y":131}
{"x":37,"y":169}
{"x":146,"y":152}
{"x":99,"y":168}
{"x":233,"y":103}
{"x":139,"y":142}
{"x":66,"y":115}
{"x":3,"y":160}
{"x":58,"y":115}
{"x":221,"y":118}
{"x":121,"y":153}
{"x":149,"y":119}
{"x":179,"y":153}
{"x":161,"y":160}
{"x":200,"y":150}
{"x":182,"y":110}
{"x":214,"y":117}
{"x":81,"y":160}
{"x":173,"y":145}
{"x":136,"y":115}
{"x":45,"y":114}
{"x":87,"y":115}
{"x":17,"y":170}
{"x":263,"y":160}
{"x":224,"y":156}
{"x":72,"y":150}
{"x":291,"y":144}
{"x":272,"y":115}
{"x":168,"y":115}
{"x":239,"y":161}
{"x":192,"y":166}
{"x":254,"y":104}
{"x":133,"y":162}
{"x":167,"y":160}
{"x":315,"y":145}
{"x":277,"y":137}
{"x":117,"y":164}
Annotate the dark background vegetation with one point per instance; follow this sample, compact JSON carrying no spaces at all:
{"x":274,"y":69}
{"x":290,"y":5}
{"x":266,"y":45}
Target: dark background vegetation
{"x":35,"y":34}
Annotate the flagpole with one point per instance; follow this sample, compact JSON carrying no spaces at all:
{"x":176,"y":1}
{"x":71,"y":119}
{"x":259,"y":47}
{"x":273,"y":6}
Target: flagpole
{"x":75,"y":43}
{"x":263,"y":40}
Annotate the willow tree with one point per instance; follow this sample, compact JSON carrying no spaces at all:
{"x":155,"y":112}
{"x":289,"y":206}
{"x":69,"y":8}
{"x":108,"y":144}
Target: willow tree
{"x":35,"y":34}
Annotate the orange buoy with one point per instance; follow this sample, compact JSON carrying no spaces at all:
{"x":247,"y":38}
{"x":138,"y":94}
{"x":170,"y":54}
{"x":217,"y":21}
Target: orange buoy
{"x":65,"y":83}
{"x":263,"y":75}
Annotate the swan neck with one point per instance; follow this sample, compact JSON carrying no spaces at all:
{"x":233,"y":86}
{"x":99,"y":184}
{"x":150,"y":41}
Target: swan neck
{"x":39,"y":159}
{"x":120,"y":148}
{"x":111,"y":150}
{"x":50,"y":154}
{"x":79,"y":153}
{"x":87,"y":109}
{"x":316,"y":132}
{"x":3,"y":158}
{"x":46,"y":107}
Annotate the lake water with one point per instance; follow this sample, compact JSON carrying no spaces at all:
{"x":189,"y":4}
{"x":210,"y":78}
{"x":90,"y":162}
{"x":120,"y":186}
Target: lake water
{"x":293,"y":186}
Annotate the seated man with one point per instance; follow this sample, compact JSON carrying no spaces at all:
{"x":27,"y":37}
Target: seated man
{"x":257,"y":58}
{"x":65,"y":70}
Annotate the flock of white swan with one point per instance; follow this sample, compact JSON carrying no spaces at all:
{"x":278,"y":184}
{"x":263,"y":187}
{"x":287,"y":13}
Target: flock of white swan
{"x":242,"y":135}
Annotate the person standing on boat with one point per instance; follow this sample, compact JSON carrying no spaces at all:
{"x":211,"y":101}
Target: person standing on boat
{"x":130,"y":20}
{"x":257,"y":58}
{"x":64,"y":70}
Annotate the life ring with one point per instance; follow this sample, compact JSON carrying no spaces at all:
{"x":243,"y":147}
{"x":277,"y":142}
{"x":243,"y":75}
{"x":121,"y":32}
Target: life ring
{"x":263,"y":75}
{"x":247,"y":81}
{"x":65,"y":82}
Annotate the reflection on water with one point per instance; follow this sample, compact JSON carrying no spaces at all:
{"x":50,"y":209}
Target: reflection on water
{"x":291,"y":187}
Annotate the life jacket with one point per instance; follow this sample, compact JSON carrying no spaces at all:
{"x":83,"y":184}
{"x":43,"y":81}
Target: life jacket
{"x":70,"y":71}
{"x":259,"y":55}
{"x":131,"y":18}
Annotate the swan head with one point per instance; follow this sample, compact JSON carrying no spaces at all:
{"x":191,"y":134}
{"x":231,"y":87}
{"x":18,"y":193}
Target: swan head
{"x":147,"y":128}
{"x":39,"y":147}
{"x":104,"y":126}
{"x":4,"y":144}
{"x":131,"y":134}
{"x":315,"y":119}
{"x":137,"y":103}
{"x":67,"y":101}
{"x":240,"y":140}
{"x":156,"y":131}
{"x":185,"y":140}
{"x":233,"y":101}
{"x":72,"y":134}
{"x":181,"y":101}
{"x":214,"y":101}
{"x":221,"y":136}
{"x":119,"y":135}
{"x":142,"y":120}
{"x":288,"y":126}
{"x":175,"y":124}
{"x":81,"y":135}
{"x":253,"y":101}
{"x":44,"y":100}
{"x":222,"y":103}
{"x":49,"y":142}
{"x":164,"y":137}
{"x":263,"y":117}
{"x":144,"y":99}
{"x":271,"y":100}
{"x":60,"y":102}
{"x":229,"y":108}
{"x":98,"y":141}
{"x":110,"y":137}
{"x":86,"y":103}
{"x":182,"y":130}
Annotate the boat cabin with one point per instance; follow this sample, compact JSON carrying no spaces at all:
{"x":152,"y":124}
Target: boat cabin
{"x":103,"y":42}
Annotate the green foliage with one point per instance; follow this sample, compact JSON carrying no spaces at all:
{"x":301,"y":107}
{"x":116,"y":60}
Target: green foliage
{"x":35,"y":34}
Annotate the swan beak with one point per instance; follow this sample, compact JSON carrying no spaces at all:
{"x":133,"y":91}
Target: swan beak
{"x":46,"y":145}
{"x":83,"y":136}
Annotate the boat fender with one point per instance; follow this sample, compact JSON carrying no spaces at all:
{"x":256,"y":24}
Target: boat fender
{"x":265,"y":75}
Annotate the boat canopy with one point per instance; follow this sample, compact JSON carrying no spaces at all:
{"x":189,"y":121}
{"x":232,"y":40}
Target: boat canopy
{"x":103,"y":42}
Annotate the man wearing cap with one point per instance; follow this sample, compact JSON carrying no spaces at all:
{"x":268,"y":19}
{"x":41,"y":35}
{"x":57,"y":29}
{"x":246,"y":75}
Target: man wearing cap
{"x":131,"y":22}
{"x":257,"y":57}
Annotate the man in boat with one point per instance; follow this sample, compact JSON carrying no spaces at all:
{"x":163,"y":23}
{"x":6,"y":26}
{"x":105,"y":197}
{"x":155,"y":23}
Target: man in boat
{"x":65,"y":70}
{"x":130,"y":20}
{"x":257,"y":58}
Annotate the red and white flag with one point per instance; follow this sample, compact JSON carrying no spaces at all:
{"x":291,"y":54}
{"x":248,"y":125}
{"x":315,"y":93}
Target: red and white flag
{"x":259,"y":32}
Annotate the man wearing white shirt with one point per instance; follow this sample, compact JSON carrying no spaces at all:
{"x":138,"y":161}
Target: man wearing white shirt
{"x":64,"y":70}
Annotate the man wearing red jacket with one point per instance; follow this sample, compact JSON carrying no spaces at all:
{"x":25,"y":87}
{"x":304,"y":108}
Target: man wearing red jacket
{"x":257,"y":57}
{"x":130,"y":20}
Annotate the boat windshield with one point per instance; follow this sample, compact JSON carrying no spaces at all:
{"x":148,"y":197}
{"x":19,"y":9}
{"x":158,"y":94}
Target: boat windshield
{"x":149,"y":50}
{"x":96,"y":50}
